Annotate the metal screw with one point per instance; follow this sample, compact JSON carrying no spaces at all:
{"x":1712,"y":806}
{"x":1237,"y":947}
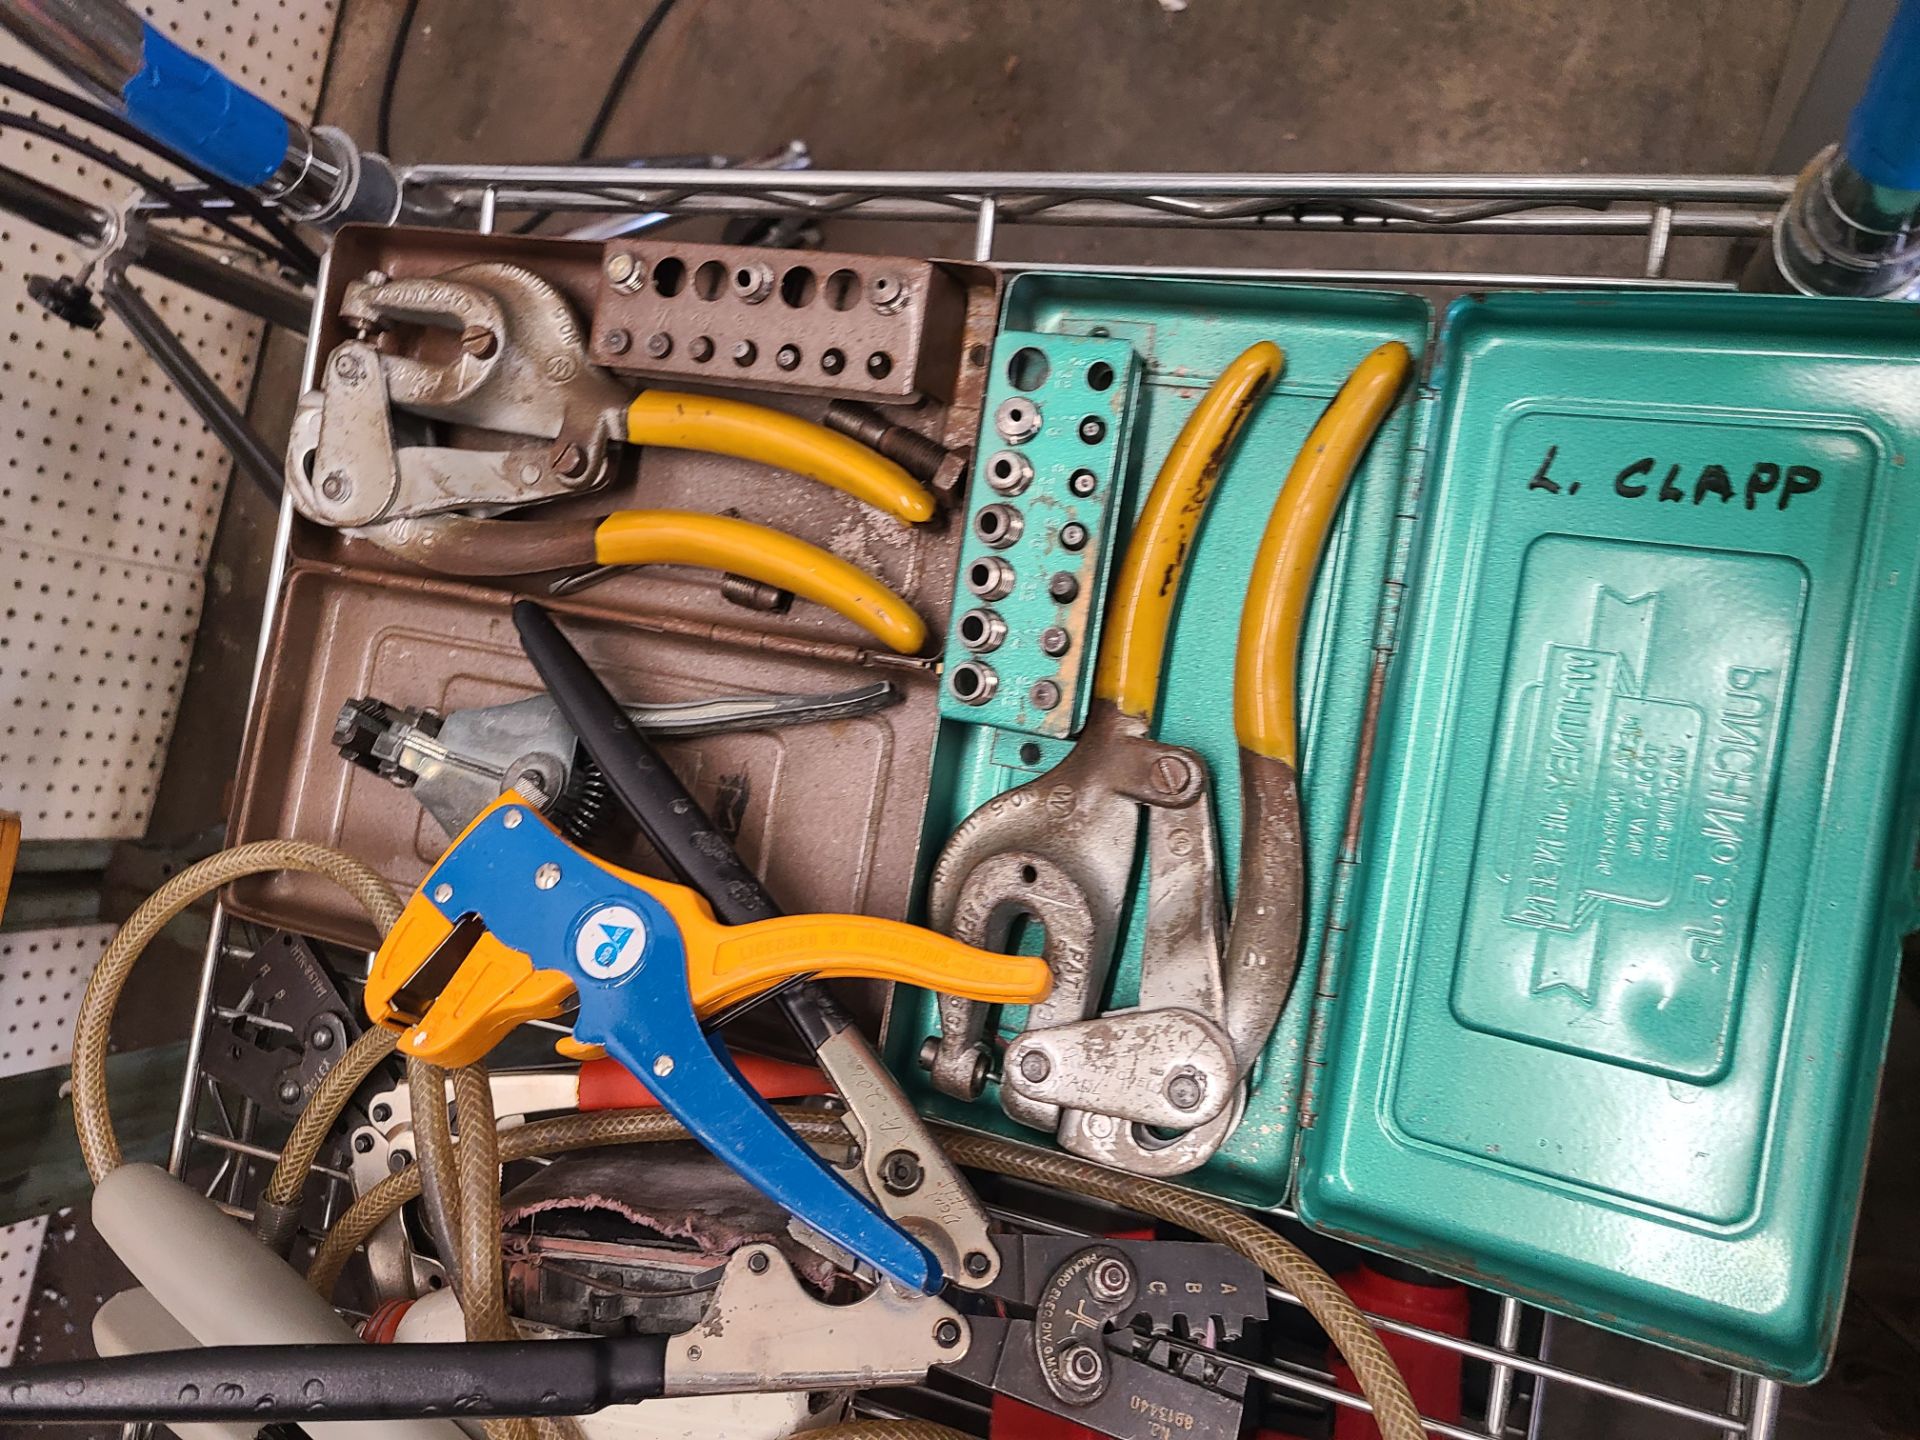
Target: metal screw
{"x":693,"y":1352}
{"x":350,"y":367}
{"x":833,"y":361}
{"x":399,"y":1159}
{"x":947,"y":1334}
{"x":662,"y":1066}
{"x":382,"y":1113}
{"x":442,"y":893}
{"x":362,"y":1144}
{"x":1064,"y":587}
{"x":1083,"y":1367}
{"x":659,"y":345}
{"x":1035,"y":1066}
{"x":1093,"y":429}
{"x":289,"y":1091}
{"x":1171,"y":774}
{"x":321,"y":1038}
{"x":700,"y":349}
{"x":1073,"y":536}
{"x":336,"y":486}
{"x":626,"y":272}
{"x":978,"y":1262}
{"x":1110,"y":1280}
{"x":745,"y":352}
{"x":547,"y":876}
{"x":1083,"y":483}
{"x":879,"y":365}
{"x":1185,"y":1089}
{"x":757,"y":1262}
{"x":1044,"y":695}
{"x":479,"y":342}
{"x":617,"y":342}
{"x":1055,"y":641}
{"x":511,"y":820}
{"x":787,"y":357}
{"x":901,"y":1172}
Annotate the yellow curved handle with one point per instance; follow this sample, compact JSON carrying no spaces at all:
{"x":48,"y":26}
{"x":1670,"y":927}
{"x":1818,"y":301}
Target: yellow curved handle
{"x":772,"y":437}
{"x":719,"y":542}
{"x":1135,"y":639}
{"x":1266,"y":665}
{"x":732,"y":962}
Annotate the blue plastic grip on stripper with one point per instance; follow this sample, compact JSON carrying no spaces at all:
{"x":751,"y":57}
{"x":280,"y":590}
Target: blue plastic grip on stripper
{"x":626,"y":957}
{"x":1883,"y":134}
{"x":182,"y":101}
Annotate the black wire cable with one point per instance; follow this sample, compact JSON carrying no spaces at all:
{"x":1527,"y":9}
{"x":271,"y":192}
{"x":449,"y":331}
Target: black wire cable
{"x":127,"y":170}
{"x":80,"y":108}
{"x":609,"y":102}
{"x":383,"y":121}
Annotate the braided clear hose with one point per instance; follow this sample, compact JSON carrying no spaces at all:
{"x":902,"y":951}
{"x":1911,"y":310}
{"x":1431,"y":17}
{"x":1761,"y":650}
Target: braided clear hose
{"x":93,"y":1123}
{"x":1379,"y":1377}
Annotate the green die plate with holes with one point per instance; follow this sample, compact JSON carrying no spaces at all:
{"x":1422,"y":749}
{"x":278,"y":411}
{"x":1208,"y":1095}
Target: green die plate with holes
{"x":1186,"y":332}
{"x":1625,"y":922}
{"x":1033,"y":568}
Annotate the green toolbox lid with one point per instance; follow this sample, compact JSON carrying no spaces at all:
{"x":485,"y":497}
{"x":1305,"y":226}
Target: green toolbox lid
{"x":1621,"y":944}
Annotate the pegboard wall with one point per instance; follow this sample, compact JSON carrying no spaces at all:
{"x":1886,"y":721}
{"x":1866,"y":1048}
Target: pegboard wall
{"x":110,"y":486}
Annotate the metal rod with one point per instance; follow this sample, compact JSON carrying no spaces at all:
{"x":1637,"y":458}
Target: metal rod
{"x":250,"y":453}
{"x":260,"y":1152}
{"x":983,"y":228}
{"x":1282,"y":215}
{"x":489,"y":209}
{"x":196,"y":1042}
{"x":1500,"y":1386}
{"x":1729,"y":189}
{"x":1657,"y":241}
{"x":1451,"y":279}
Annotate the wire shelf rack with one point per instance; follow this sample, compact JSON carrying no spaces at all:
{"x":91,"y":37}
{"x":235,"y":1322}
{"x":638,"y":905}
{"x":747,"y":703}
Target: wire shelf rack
{"x":1516,"y":1372}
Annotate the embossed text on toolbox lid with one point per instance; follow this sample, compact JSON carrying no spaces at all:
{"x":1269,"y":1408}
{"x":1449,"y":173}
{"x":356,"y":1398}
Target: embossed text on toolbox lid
{"x":1611,"y":1015}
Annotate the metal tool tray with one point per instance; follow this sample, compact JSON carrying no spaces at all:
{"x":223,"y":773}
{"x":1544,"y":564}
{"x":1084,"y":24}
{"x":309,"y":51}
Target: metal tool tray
{"x":830,"y":813}
{"x":1669,"y":1142}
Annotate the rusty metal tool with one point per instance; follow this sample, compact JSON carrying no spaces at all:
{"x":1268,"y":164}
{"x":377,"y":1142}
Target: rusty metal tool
{"x":1157,"y":1089}
{"x":505,"y":355}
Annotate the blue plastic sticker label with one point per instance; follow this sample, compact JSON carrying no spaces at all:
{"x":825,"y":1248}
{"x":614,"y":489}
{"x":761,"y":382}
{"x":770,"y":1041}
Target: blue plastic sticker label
{"x":609,"y":941}
{"x":1625,"y":826}
{"x":181,"y":100}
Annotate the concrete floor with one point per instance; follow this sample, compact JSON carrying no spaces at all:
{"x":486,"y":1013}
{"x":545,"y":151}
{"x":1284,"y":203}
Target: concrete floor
{"x":1130,"y":85}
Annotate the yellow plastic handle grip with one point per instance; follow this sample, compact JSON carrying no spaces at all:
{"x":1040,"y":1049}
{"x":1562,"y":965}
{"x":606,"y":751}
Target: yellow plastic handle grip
{"x":719,"y":542}
{"x":736,"y":961}
{"x":772,"y":437}
{"x":1266,"y":665}
{"x":1135,"y":639}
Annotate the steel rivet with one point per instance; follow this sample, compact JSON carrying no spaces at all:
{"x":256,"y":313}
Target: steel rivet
{"x":336,"y":486}
{"x":1035,"y":1066}
{"x":787,"y":357}
{"x":1055,"y":641}
{"x":321,"y":1038}
{"x":832,"y":361}
{"x":289,"y":1092}
{"x":1045,"y":694}
{"x":745,"y":352}
{"x":1073,"y":536}
{"x":947,"y":1334}
{"x":663,"y":1066}
{"x":1064,"y":587}
{"x":362,"y":1143}
{"x":382,"y":1112}
{"x":442,"y":893}
{"x":1093,"y":429}
{"x":757,"y":1262}
{"x":700,"y":348}
{"x":659,"y":345}
{"x":511,"y":819}
{"x":1185,"y":1089}
{"x":547,"y":876}
{"x":617,"y":342}
{"x":978,"y":1262}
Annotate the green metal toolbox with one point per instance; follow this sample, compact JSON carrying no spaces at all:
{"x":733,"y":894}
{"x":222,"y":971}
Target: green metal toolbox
{"x":1602,"y":943}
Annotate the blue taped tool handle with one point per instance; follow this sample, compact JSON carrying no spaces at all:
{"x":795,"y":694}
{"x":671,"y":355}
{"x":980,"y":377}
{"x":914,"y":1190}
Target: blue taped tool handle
{"x":181,"y":100}
{"x":624,"y":952}
{"x":1883,"y":136}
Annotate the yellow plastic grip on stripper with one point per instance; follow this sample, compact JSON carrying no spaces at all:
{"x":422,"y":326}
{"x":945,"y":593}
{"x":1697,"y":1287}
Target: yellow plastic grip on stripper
{"x":1141,"y":608}
{"x":719,"y":542}
{"x":1266,"y":664}
{"x":772,"y":437}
